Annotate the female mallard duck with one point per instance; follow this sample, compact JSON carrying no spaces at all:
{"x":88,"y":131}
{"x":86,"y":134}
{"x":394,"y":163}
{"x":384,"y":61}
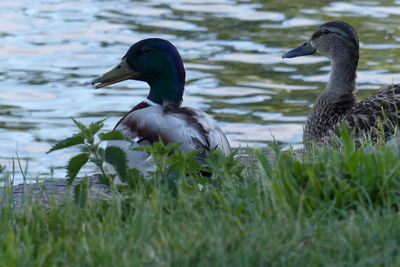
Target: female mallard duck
{"x":339,"y":42}
{"x":160,"y":116}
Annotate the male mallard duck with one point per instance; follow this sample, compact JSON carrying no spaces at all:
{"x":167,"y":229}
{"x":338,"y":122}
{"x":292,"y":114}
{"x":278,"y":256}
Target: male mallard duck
{"x":160,"y":116}
{"x":339,"y":42}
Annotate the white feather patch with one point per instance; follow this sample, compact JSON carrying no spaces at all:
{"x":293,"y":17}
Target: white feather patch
{"x":198,"y":131}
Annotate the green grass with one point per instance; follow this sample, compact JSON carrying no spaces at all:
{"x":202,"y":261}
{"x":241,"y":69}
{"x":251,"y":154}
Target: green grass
{"x":327,"y":207}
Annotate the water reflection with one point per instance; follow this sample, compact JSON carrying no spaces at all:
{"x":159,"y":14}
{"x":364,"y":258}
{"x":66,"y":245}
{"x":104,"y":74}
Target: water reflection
{"x":232,"y":49}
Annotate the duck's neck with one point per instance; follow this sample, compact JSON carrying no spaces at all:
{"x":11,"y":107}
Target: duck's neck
{"x":337,"y":98}
{"x":165,"y":90}
{"x":342,"y":80}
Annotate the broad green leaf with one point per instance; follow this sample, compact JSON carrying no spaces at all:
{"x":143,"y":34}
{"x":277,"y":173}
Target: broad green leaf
{"x":96,"y":126}
{"x":87,"y":133}
{"x":106,"y":180}
{"x":68,"y":142}
{"x":74,"y":166}
{"x":81,"y":192}
{"x":159,"y":148}
{"x":113,"y":135}
{"x":193,"y":153}
{"x":117,"y":158}
{"x":80,"y":125}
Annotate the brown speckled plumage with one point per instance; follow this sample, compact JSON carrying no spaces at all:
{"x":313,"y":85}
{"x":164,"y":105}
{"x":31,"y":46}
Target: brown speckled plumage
{"x":337,"y":103}
{"x":363,"y":118}
{"x":325,"y":116}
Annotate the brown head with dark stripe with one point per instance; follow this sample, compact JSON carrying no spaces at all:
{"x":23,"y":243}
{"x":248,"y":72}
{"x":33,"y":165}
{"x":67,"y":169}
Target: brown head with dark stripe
{"x":330,"y":39}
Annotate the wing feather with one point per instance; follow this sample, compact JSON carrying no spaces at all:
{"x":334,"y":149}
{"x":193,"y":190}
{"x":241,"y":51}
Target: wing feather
{"x":382,"y":107}
{"x":192,"y":128}
{"x":366,"y":117}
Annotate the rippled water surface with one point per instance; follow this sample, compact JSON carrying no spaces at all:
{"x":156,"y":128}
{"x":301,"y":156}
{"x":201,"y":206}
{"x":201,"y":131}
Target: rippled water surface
{"x":50,"y":50}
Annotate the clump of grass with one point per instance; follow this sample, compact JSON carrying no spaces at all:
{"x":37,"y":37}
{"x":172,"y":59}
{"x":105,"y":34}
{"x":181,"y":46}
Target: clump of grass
{"x":326,"y":207}
{"x":351,"y":177}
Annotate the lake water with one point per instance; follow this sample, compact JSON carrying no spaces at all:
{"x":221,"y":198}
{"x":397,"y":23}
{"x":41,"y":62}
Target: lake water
{"x":50,"y":50}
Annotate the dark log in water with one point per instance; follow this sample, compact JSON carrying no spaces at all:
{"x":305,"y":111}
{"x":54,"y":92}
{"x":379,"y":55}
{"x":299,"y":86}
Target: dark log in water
{"x":56,"y":189}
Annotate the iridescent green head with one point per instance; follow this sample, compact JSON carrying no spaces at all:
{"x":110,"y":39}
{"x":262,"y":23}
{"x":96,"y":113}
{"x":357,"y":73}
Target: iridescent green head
{"x":155,"y":61}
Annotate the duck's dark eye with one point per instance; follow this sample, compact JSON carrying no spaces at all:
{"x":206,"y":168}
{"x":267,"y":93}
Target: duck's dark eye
{"x":146,"y":49}
{"x":325,"y":31}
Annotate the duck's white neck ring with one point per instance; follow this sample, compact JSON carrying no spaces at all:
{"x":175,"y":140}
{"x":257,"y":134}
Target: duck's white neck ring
{"x":151,"y":103}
